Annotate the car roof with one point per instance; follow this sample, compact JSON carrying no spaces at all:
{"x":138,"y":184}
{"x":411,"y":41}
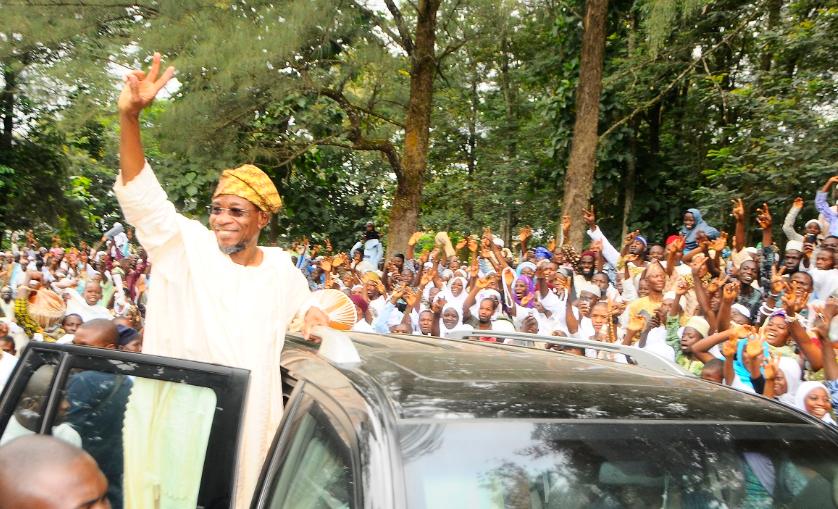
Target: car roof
{"x":432,"y":378}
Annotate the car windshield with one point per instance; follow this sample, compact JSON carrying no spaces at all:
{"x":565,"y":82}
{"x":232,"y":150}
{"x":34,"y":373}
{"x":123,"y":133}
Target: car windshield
{"x":540,"y":465}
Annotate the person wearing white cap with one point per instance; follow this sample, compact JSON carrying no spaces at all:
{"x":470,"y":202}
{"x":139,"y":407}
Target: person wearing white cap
{"x":682,"y":340}
{"x":740,"y":315}
{"x":578,"y":312}
{"x":812,"y":226}
{"x":792,"y":256}
{"x":653,"y":336}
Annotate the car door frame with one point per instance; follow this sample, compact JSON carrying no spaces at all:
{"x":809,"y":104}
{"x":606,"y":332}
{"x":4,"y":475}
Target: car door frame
{"x":302,"y":398}
{"x":229,"y":384}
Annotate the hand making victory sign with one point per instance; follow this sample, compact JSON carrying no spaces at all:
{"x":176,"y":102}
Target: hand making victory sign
{"x":138,"y":93}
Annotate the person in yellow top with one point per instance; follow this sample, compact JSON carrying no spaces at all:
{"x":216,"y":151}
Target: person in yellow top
{"x":655,"y":276}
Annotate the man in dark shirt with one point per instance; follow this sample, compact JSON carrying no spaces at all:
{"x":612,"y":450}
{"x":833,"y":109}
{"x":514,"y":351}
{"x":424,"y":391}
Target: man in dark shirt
{"x":97,"y":407}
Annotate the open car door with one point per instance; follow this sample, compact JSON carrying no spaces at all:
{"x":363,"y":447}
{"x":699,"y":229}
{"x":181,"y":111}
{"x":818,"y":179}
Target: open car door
{"x":164,"y":431}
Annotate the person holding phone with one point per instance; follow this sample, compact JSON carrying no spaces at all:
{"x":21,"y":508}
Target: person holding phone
{"x":811,"y":230}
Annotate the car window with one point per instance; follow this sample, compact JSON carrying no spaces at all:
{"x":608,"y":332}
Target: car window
{"x":29,"y":410}
{"x":148,"y":436}
{"x":499,"y":465}
{"x":317,"y":471}
{"x":164,"y":431}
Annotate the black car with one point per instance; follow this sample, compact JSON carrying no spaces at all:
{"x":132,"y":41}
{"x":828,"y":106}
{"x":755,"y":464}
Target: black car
{"x":395,"y":421}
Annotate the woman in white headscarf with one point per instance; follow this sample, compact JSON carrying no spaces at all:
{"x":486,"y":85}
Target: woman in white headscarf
{"x":451,"y":319}
{"x":786,"y":380}
{"x":455,"y":292}
{"x":813,"y":398}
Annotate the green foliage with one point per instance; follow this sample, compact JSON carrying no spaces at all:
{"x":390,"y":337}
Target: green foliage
{"x":738,"y":100}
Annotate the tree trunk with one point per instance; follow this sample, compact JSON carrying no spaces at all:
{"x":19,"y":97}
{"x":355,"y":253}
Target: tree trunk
{"x":404,"y":214}
{"x":474,"y":108}
{"x":774,"y":8}
{"x":510,"y":98}
{"x":579,"y":179}
{"x":7,"y":106}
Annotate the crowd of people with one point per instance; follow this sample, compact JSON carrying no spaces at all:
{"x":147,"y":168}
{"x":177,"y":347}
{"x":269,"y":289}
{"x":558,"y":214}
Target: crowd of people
{"x":754,"y":317}
{"x":47,"y":294}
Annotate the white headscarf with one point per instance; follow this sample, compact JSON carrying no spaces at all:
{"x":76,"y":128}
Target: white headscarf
{"x":791,"y":370}
{"x":443,"y":330}
{"x":456,"y":301}
{"x":803,"y":391}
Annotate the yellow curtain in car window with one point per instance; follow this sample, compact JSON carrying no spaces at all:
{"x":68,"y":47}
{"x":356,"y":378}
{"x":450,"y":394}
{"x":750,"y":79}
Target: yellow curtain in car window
{"x":167,"y":427}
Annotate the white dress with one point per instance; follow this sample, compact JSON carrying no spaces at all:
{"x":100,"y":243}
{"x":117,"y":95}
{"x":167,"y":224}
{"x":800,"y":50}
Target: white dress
{"x":205,"y":307}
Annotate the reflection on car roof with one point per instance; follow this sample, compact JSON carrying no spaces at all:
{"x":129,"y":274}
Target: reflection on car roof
{"x":433,"y":378}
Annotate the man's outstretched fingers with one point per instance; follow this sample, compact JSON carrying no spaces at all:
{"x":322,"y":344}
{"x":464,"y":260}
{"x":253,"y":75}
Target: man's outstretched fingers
{"x":155,"y":67}
{"x":167,"y":75}
{"x":134,"y":84}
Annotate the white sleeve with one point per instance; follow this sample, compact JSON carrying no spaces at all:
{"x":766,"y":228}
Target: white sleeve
{"x":610,"y":254}
{"x":119,"y":291}
{"x":146,"y":206}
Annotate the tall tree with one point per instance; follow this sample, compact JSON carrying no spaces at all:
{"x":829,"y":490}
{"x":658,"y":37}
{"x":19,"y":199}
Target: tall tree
{"x":579,"y":179}
{"x":410,"y":170}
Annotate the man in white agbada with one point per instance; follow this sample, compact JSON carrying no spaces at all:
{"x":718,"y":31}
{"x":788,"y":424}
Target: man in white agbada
{"x":217,"y":296}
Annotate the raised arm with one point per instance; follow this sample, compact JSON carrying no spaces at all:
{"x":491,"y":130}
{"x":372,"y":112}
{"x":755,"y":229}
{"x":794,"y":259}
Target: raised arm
{"x":673,"y":252}
{"x":473,"y":289}
{"x":498,"y":261}
{"x":701,"y":293}
{"x":705,"y":344}
{"x":609,"y":252}
{"x":730,"y":292}
{"x":791,"y":217}
{"x":411,"y":243}
{"x":523,"y":236}
{"x":138,"y":93}
{"x":765,"y":221}
{"x":809,"y":347}
{"x":738,"y":212}
{"x":565,"y":230}
{"x":570,"y":318}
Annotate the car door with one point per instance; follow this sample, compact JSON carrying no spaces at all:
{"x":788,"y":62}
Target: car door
{"x":315,"y":461}
{"x":159,"y":428}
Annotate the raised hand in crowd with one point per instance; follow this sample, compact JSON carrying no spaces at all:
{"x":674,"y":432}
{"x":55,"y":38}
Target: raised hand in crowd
{"x":764,"y":217}
{"x":589,"y":216}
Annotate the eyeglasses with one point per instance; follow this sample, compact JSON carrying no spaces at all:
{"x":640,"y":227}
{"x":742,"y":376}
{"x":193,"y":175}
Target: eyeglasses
{"x":215,"y":210}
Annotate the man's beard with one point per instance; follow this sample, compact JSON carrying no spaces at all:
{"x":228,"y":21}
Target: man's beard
{"x":235,"y":248}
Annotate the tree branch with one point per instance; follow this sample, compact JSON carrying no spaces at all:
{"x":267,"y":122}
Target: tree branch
{"x":341,"y":99}
{"x":717,"y":87}
{"x":407,"y":42}
{"x":651,"y":102}
{"x":382,"y":25}
{"x":359,"y":142}
{"x":378,"y":145}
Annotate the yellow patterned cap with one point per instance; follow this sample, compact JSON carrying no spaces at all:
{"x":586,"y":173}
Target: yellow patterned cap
{"x":252,"y":184}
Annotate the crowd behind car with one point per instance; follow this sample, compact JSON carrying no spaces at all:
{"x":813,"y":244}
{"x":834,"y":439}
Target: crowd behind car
{"x":754,"y":317}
